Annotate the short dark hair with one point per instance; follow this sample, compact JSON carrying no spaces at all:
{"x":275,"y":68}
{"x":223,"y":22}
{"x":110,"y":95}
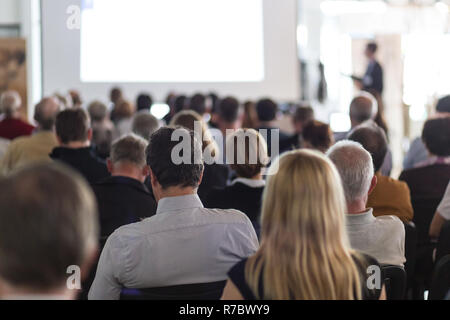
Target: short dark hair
{"x":179,"y":103}
{"x":72,"y":125}
{"x":443,"y":105}
{"x":144,"y":102}
{"x":436,"y":136}
{"x":319,"y":135}
{"x":45,"y":114}
{"x":362,"y":107}
{"x":374,"y":140}
{"x":229,"y":109}
{"x":159,"y":158}
{"x":56,"y":213}
{"x":198,"y":103}
{"x":303,"y":114}
{"x":267,"y":110}
{"x":372,"y":47}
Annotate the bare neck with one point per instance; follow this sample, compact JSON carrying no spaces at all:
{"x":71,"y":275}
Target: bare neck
{"x":77,"y":144}
{"x":357,"y":207}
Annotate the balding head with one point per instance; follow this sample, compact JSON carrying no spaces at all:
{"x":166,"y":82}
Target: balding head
{"x":363,"y":107}
{"x":10,"y":103}
{"x":45,"y":113}
{"x":355,"y":166}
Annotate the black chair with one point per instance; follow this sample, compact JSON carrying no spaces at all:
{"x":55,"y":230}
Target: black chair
{"x":440,"y":283}
{"x":411,"y":237}
{"x":199,"y":291}
{"x":395,"y":282}
{"x":443,"y":244}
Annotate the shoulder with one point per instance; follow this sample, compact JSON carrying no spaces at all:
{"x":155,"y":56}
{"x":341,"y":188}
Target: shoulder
{"x":227,"y":215}
{"x":394,"y":184}
{"x":391,"y":224}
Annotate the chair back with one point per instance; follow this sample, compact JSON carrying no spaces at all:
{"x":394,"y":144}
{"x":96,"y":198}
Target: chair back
{"x":395,"y":282}
{"x":443,"y":245}
{"x":411,"y":238}
{"x":440,"y":283}
{"x":199,"y":291}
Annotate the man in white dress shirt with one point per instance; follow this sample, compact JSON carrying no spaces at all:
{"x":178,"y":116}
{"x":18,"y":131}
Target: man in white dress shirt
{"x":184,"y":243}
{"x":380,"y":237}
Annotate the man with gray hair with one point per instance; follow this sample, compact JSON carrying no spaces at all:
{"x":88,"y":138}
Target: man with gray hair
{"x":145,"y":124}
{"x":36,"y":148}
{"x":12,"y":126}
{"x":123,"y":198}
{"x":380,"y":237}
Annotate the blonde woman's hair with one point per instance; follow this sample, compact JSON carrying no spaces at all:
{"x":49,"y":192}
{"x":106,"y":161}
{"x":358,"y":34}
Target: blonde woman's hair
{"x":187,"y":119}
{"x":305,"y":252}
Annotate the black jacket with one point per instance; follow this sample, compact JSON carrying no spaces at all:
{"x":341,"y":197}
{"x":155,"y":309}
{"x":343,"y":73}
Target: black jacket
{"x":237,"y":196}
{"x":84,"y":160}
{"x":374,"y":72}
{"x":121,"y":201}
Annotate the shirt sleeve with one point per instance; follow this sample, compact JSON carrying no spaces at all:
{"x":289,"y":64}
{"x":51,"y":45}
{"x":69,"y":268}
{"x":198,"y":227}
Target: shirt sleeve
{"x":107,"y":284}
{"x":444,"y":207}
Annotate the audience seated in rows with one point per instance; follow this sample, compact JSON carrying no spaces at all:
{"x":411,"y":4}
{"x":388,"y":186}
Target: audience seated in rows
{"x":11,"y":126}
{"x":418,"y":152}
{"x":317,"y":136}
{"x":245,"y":192}
{"x":390,"y":196}
{"x":123,"y":198}
{"x":215,"y":175}
{"x":429,"y":180}
{"x":184,"y":243}
{"x":37,"y":147}
{"x":48,"y":233}
{"x":74,"y":133}
{"x":305,"y":252}
{"x":381,"y":237}
{"x":364,"y":107}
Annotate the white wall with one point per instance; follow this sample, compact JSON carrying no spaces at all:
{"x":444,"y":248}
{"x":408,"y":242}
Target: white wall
{"x":61,"y":59}
{"x":10,"y":12}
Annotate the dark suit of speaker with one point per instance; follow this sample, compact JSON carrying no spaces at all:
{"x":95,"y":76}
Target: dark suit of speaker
{"x":373,"y":78}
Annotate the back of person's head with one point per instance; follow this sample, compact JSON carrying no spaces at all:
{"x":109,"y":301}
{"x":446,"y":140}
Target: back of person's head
{"x":249,"y":153}
{"x":45,"y":113}
{"x":145,"y":124}
{"x":355,"y":166}
{"x":10,"y":103}
{"x":317,"y":135}
{"x":305,"y":252}
{"x":372,"y":47}
{"x":363,"y":107}
{"x":214,"y":102}
{"x":189,"y":119}
{"x":129,"y":149}
{"x":73,"y":125}
{"x":98,"y":111}
{"x":250,"y":117}
{"x":374,"y":140}
{"x":75,"y":96}
{"x":179,"y":103}
{"x":170,"y":172}
{"x":303,"y":114}
{"x":123,"y":110}
{"x":229,"y":110}
{"x":144,"y":102}
{"x":436,"y":136}
{"x":197,"y":103}
{"x":266,"y":110}
{"x":115,"y":95}
{"x":443,"y":105}
{"x":56,"y":214}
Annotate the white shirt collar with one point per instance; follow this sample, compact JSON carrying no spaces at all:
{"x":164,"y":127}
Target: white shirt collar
{"x":250,"y":183}
{"x":366,"y":217}
{"x":179,"y":203}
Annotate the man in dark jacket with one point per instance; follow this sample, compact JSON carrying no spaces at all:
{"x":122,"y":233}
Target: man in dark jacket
{"x":74,"y":134}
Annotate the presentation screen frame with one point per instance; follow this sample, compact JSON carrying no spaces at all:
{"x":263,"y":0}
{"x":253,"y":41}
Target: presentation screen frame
{"x":61,"y":59}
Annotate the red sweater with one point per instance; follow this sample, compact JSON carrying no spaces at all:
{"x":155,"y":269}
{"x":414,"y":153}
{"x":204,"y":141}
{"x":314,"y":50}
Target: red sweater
{"x":13,"y":128}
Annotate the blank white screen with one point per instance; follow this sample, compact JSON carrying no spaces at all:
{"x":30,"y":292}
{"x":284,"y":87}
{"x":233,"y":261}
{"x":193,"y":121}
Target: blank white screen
{"x":172,"y":41}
